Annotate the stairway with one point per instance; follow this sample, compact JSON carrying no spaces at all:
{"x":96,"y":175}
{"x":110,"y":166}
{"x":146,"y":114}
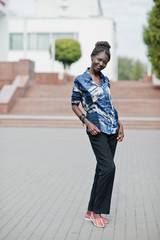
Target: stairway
{"x":137,"y":103}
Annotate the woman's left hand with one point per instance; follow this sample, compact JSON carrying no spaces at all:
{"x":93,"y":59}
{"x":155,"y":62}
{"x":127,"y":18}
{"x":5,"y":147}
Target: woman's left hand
{"x":120,"y":132}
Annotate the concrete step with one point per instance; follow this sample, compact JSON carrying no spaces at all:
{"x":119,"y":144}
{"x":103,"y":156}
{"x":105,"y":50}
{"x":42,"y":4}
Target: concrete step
{"x":72,"y":121}
{"x":72,"y":124}
{"x":62,"y":106}
{"x":42,"y":107}
{"x":121,"y":89}
{"x":131,"y":99}
{"x":49,"y":91}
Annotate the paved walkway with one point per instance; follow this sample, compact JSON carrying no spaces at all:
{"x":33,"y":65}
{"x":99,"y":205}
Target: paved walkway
{"x":46,"y":177}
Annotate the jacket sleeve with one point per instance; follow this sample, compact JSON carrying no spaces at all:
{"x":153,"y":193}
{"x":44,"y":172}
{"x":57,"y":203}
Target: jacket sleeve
{"x":76,"y":97}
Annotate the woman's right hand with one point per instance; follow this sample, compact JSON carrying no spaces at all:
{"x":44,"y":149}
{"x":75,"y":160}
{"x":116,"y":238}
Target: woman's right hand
{"x":92,"y":128}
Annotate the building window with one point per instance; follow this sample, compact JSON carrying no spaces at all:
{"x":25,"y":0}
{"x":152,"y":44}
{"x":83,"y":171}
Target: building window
{"x":16,"y":41}
{"x":41,"y":41}
{"x":32,"y":41}
{"x":38,"y":41}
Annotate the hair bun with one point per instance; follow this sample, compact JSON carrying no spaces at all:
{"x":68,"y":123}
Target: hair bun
{"x":104,"y":44}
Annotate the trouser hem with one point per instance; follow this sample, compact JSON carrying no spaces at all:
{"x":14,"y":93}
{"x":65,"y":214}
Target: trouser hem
{"x":99,"y":211}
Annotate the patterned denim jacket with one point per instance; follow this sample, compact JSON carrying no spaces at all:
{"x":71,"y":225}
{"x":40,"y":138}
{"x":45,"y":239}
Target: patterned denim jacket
{"x":96,"y":101}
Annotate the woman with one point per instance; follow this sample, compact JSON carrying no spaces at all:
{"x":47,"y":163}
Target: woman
{"x":104,"y":129}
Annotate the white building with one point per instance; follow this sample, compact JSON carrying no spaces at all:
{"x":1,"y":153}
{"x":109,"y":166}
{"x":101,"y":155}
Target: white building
{"x":78,"y":19}
{"x":3,"y":30}
{"x":68,"y":8}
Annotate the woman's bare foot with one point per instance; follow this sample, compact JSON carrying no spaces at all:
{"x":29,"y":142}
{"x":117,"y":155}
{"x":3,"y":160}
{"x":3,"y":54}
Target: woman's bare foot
{"x":89,"y":212}
{"x":94,"y":214}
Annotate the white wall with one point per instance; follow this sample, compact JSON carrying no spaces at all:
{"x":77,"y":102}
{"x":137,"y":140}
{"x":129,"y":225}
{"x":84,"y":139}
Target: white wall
{"x":4,"y":32}
{"x":67,"y":8}
{"x":90,"y":30}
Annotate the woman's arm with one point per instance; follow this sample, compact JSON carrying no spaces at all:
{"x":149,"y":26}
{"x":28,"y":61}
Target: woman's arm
{"x":92,"y":128}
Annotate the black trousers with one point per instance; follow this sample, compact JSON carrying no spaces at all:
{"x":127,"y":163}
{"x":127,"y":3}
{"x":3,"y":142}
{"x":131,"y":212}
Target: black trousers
{"x":104,"y":147}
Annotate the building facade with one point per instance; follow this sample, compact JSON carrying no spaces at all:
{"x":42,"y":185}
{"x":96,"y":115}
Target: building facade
{"x":68,"y":8}
{"x":3,"y":30}
{"x":30,"y":38}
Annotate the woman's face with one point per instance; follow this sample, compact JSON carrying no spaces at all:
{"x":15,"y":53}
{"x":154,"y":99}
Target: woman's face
{"x":99,"y":61}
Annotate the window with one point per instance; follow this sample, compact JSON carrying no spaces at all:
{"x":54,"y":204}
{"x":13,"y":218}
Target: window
{"x":32,"y":41}
{"x":41,"y":41}
{"x":16,"y":41}
{"x":38,"y":41}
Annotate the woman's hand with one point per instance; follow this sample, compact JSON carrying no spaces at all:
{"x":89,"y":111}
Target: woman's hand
{"x":92,"y":128}
{"x":120,"y":132}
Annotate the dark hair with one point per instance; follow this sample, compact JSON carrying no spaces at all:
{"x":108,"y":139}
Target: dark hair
{"x":102,"y":46}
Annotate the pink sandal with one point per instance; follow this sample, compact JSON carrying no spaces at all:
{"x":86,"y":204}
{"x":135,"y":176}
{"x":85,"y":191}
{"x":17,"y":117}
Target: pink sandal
{"x":105,"y":220}
{"x":98,"y":222}
{"x":88,"y":217}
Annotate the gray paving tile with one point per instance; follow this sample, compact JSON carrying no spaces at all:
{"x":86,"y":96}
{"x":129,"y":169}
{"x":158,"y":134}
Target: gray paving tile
{"x":46,"y":177}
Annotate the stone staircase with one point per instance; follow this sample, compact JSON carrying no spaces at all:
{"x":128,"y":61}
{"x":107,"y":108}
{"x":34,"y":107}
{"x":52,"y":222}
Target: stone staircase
{"x":137,"y":103}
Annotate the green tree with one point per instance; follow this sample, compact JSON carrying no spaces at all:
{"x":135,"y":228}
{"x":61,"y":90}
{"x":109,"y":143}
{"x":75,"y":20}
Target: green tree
{"x":125,"y":68}
{"x":129,"y":69}
{"x":151,"y":37}
{"x":67,"y":51}
{"x":139,"y":70}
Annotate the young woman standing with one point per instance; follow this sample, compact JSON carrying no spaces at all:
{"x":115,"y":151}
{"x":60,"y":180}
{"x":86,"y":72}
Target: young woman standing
{"x":104,"y":129}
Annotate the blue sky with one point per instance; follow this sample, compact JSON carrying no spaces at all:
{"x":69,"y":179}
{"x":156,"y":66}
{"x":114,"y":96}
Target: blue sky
{"x":129,"y":15}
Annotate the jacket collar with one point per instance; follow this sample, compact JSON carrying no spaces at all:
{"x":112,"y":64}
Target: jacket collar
{"x":105,"y":79}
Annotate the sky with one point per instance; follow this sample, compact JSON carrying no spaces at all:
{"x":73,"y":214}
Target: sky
{"x":129,"y":16}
